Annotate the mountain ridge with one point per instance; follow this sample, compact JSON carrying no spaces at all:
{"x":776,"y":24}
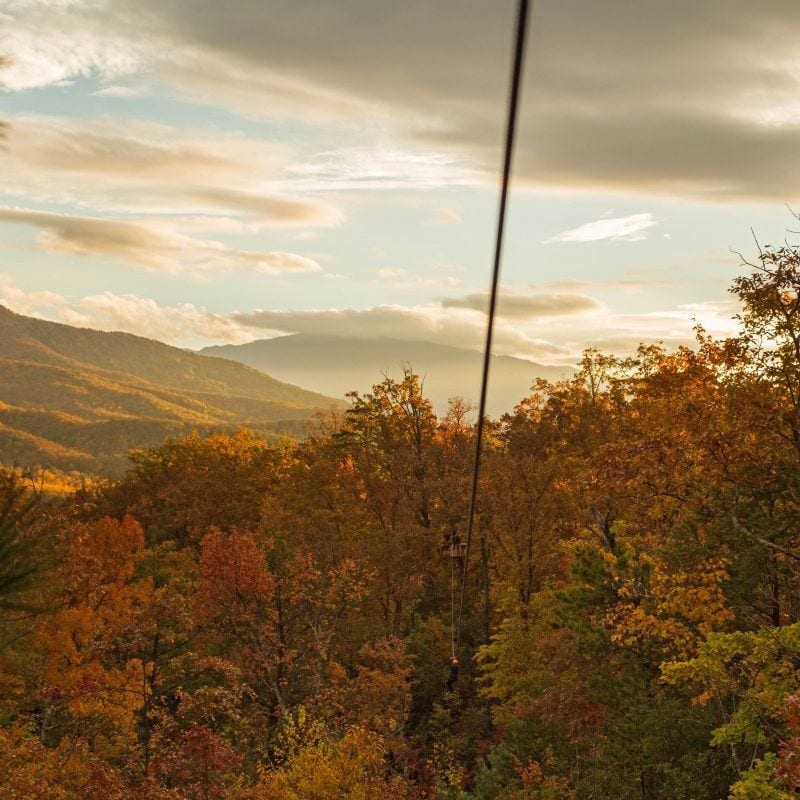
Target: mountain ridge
{"x":77,"y":398}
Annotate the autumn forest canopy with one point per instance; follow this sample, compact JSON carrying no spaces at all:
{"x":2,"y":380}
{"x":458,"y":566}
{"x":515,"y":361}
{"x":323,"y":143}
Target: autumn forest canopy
{"x":271,"y":620}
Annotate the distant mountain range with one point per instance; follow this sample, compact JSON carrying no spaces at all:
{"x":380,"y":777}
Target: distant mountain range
{"x":73,"y":398}
{"x":335,"y":365}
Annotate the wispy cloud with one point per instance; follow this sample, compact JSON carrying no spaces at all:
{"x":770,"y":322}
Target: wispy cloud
{"x":148,"y":245}
{"x":115,"y":90}
{"x":660,"y":130}
{"x":109,"y":164}
{"x":445,"y":216}
{"x":381,"y":168}
{"x":403,"y":279}
{"x":616,"y":229}
{"x":271,"y":209}
{"x":431,"y":80}
{"x":37,"y":54}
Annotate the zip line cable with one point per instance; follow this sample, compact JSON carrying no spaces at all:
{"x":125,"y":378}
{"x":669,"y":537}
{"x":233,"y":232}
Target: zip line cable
{"x":513,"y":104}
{"x":452,"y":608}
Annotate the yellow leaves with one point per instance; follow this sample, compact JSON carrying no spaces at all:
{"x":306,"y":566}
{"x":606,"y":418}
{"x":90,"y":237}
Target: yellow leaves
{"x":84,"y":668}
{"x":350,"y":768}
{"x":347,"y":582}
{"x":694,"y":596}
{"x":378,"y":698}
{"x":298,"y":732}
{"x":672,"y":609}
{"x":77,"y":680}
{"x":749,"y":675}
{"x":27,"y":770}
{"x":30,"y":771}
{"x":116,"y":694}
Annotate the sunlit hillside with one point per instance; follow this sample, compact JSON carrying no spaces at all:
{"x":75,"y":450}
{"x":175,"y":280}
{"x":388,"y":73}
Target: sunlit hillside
{"x":74,"y":398}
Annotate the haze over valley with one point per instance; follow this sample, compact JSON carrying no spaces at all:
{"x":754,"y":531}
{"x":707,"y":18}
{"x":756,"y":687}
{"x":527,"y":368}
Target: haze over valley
{"x":335,"y":365}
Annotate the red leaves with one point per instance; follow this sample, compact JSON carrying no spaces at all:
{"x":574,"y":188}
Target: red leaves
{"x":100,"y":554}
{"x":200,"y":762}
{"x":233,"y":579}
{"x":788,"y":771}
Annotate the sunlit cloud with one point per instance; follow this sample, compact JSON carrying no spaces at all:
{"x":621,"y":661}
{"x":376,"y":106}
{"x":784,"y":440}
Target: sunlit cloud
{"x":51,"y":43}
{"x":136,"y":151}
{"x":554,"y":336}
{"x":270,"y":209}
{"x":428,"y":322}
{"x":115,"y":165}
{"x":29,"y":303}
{"x":122,"y":91}
{"x":148,"y":245}
{"x":557,"y":334}
{"x":185,"y":325}
{"x":208,"y":137}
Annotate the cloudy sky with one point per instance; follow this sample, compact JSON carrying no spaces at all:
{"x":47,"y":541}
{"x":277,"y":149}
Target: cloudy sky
{"x":202,"y":171}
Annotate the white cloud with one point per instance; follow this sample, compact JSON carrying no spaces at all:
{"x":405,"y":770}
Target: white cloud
{"x":419,"y":323}
{"x":28,"y":303}
{"x":381,"y":168}
{"x":46,"y":45}
{"x":714,"y":315}
{"x":617,"y":229}
{"x":184,"y":324}
{"x":553,"y":337}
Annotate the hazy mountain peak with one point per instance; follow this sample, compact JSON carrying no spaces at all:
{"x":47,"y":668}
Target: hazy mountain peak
{"x":335,"y":365}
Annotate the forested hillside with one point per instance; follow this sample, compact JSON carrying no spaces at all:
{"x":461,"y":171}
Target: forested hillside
{"x":75,"y":398}
{"x":252,"y":621}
